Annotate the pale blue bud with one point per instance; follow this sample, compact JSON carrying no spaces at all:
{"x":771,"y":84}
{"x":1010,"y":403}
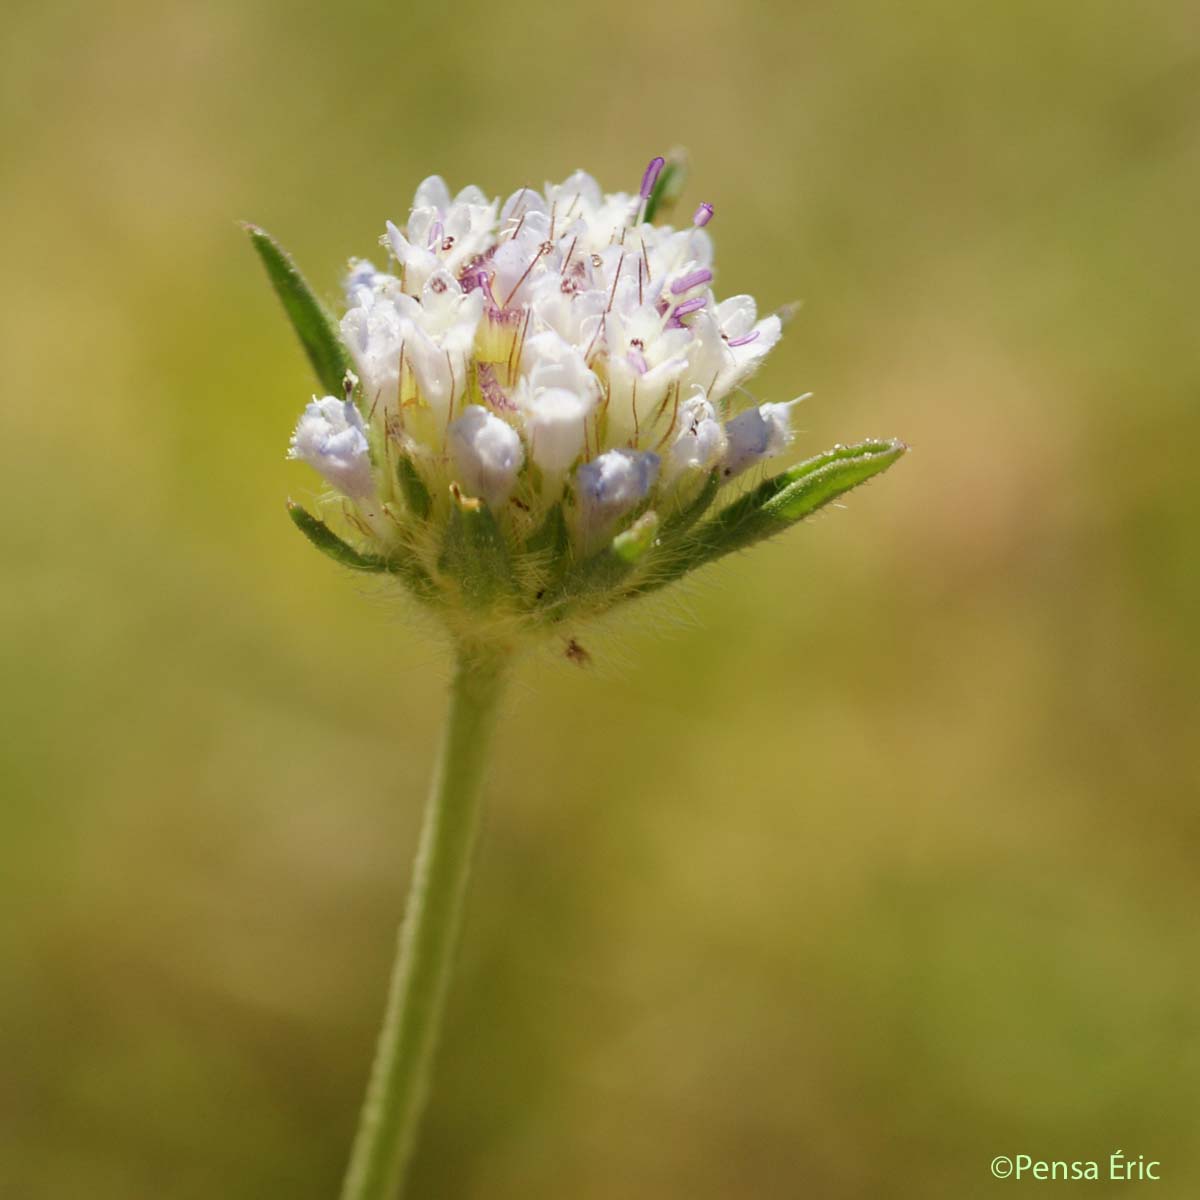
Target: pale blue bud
{"x":332,"y":439}
{"x":756,"y":434}
{"x":609,"y":486}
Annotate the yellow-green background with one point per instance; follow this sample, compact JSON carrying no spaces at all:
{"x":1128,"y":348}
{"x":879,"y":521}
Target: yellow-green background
{"x":872,"y":858}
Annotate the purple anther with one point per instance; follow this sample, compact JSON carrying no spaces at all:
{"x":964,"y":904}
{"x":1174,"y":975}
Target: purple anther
{"x":478,"y":278}
{"x":436,"y":230}
{"x":637,"y":360}
{"x":692,"y":279}
{"x":685,"y":310}
{"x":702,"y":215}
{"x":745,"y":339}
{"x":650,"y":178}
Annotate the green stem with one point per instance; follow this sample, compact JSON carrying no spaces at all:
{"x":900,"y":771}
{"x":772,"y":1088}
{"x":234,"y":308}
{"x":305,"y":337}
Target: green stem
{"x":403,"y":1059}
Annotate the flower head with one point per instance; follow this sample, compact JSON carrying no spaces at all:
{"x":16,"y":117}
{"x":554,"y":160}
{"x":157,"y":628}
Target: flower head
{"x":552,"y":378}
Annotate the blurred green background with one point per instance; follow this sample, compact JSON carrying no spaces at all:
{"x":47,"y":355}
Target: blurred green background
{"x":873,"y":857}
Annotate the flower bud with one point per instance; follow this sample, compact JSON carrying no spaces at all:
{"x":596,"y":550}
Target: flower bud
{"x":555,"y":423}
{"x":609,"y":486}
{"x":487,"y":455}
{"x":756,"y":434}
{"x":332,"y":439}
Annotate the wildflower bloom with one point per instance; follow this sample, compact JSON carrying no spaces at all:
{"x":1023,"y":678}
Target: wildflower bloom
{"x":535,"y":403}
{"x":531,"y":409}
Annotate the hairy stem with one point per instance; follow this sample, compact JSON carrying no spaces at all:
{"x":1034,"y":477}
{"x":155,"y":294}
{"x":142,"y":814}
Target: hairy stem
{"x":429,"y":934}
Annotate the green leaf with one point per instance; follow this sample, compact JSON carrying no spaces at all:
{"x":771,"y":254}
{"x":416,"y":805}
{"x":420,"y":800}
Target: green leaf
{"x":314,"y":326}
{"x":329,"y":543}
{"x":549,"y":548}
{"x":776,"y":504}
{"x":416,"y":494}
{"x":669,"y":185}
{"x":552,"y":538}
{"x":474,"y":551}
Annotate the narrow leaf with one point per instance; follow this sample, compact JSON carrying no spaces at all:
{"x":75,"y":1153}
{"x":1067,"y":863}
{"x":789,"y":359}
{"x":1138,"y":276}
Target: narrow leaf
{"x":314,"y":326}
{"x":329,"y":543}
{"x":551,"y":538}
{"x":416,"y":494}
{"x":776,"y":504}
{"x":549,"y":547}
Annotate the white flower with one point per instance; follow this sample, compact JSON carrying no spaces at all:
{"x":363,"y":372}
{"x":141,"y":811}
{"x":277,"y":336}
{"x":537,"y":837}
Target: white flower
{"x":487,"y":454}
{"x":332,"y":439}
{"x":746,"y":340}
{"x":557,"y":394}
{"x":438,"y":333}
{"x":645,"y":357}
{"x":566,"y":302}
{"x":729,"y":343}
{"x":374,"y":335}
{"x":700,"y":443}
{"x":555,"y":425}
{"x":442,"y":233}
{"x":551,"y":361}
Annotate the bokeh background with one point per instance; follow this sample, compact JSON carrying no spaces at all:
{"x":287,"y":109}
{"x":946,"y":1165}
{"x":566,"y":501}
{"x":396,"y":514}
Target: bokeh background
{"x":873,"y":858}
